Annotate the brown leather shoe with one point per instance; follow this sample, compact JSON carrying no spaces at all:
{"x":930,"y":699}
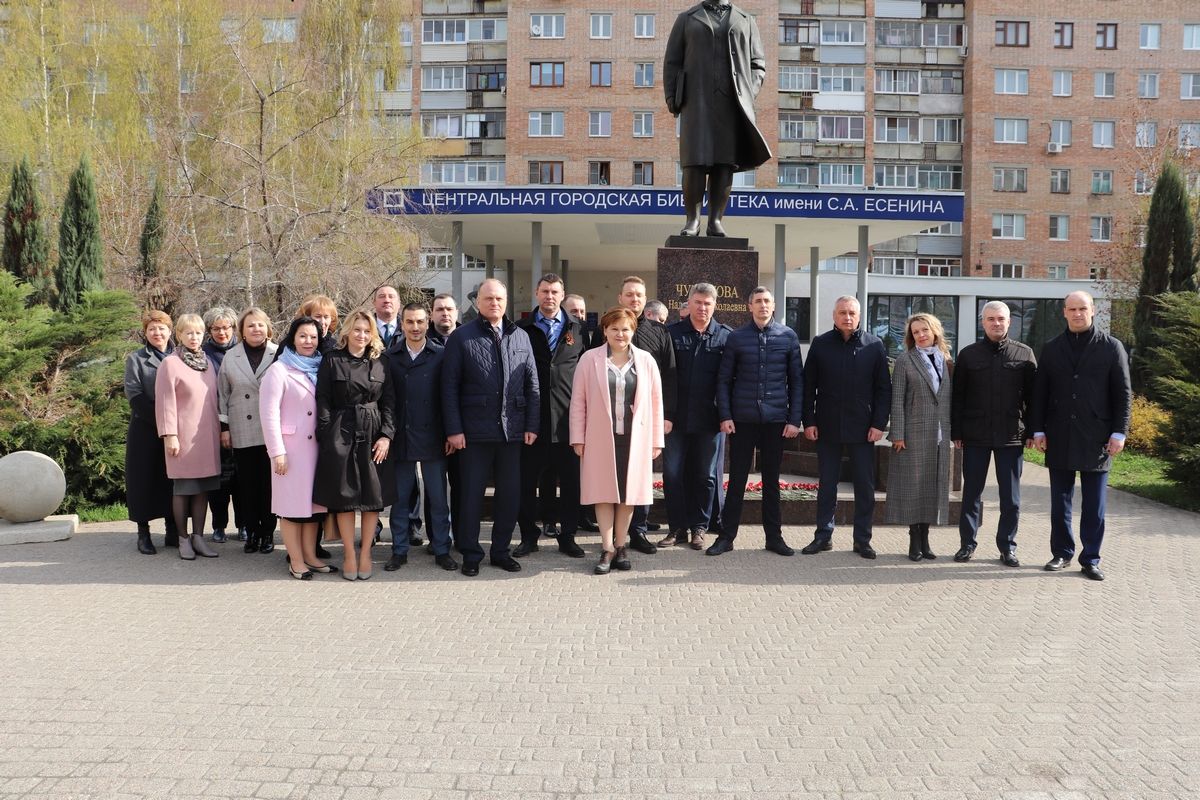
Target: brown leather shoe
{"x":673,"y":538}
{"x":698,"y":539}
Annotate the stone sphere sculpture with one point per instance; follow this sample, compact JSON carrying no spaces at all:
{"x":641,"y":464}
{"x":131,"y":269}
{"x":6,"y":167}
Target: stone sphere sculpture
{"x":32,"y":486}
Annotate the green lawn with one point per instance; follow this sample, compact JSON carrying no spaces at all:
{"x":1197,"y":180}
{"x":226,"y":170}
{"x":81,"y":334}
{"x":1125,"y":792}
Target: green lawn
{"x":114,"y":513}
{"x":1142,"y":475}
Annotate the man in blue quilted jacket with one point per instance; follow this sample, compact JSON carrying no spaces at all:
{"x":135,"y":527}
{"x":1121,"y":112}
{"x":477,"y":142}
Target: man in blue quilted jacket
{"x":760,"y":392}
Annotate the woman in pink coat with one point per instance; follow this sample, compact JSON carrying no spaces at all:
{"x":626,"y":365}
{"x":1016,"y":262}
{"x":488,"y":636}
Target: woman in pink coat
{"x":185,"y":409}
{"x":617,"y":431}
{"x":287,"y":406}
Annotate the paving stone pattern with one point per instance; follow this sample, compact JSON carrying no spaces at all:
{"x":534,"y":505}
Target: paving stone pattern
{"x":744,"y":676}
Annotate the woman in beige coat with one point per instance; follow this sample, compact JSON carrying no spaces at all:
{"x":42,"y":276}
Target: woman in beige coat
{"x":617,"y":431}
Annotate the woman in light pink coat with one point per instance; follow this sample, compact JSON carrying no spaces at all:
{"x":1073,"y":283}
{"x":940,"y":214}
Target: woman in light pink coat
{"x":617,"y":431}
{"x":185,"y":410}
{"x":287,"y":406}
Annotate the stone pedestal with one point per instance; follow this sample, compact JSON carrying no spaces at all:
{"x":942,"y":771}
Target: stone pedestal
{"x":50,"y":529}
{"x":727,"y":263}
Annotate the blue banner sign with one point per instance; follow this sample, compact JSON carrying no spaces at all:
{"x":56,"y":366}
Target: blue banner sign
{"x":541,"y":201}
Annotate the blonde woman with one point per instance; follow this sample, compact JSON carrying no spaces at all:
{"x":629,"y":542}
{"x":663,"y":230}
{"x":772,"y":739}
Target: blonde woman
{"x":919,"y":489}
{"x":355,"y":426}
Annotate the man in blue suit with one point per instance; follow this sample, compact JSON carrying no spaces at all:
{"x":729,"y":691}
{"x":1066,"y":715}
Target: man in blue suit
{"x":847,"y":400}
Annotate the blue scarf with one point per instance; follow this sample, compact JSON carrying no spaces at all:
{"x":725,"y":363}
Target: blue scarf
{"x":306,"y":364}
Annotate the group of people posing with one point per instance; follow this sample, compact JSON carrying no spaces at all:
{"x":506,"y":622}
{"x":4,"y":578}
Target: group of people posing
{"x":329,"y":427}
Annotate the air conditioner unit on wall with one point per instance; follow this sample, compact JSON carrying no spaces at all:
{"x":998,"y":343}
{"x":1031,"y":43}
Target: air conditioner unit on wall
{"x":1054,"y":147}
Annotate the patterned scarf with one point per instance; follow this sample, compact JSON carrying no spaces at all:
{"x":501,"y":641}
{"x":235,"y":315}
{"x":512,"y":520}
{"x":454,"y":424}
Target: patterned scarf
{"x":196,"y":359}
{"x":306,"y":364}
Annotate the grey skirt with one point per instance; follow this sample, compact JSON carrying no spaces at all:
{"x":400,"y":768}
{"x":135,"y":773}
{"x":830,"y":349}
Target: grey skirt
{"x":188,"y":486}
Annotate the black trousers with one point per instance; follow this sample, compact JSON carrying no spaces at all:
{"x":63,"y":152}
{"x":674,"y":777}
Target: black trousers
{"x":767,"y":438}
{"x":254,"y":483}
{"x":829,"y":466}
{"x":479,"y":461}
{"x":542,"y":463}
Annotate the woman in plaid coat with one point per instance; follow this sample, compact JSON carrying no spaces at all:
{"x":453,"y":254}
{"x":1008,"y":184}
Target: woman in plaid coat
{"x":919,"y":483}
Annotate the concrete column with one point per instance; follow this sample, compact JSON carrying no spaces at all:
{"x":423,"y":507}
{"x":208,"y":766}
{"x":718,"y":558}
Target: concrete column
{"x":456,"y":246}
{"x":535,"y":258}
{"x":555,"y":262}
{"x":510,"y":273}
{"x":563,"y":266}
{"x":489,"y":256}
{"x":814,"y":263}
{"x":968,"y":318}
{"x":863,"y":239}
{"x":780,"y":273}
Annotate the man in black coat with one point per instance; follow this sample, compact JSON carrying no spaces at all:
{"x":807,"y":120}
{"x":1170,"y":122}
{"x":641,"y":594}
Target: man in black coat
{"x":415,"y":365}
{"x":993,"y":386}
{"x":760,"y":394}
{"x":1080,"y":417}
{"x":652,"y":337}
{"x":847,"y":400}
{"x":557,"y":340}
{"x":690,"y":468}
{"x":491,"y":406}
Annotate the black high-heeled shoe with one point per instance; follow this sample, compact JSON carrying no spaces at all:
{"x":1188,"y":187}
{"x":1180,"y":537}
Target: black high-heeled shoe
{"x":914,"y":542}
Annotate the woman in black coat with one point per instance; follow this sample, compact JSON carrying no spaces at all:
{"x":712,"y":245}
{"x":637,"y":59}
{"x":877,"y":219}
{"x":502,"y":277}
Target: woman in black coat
{"x":147,"y":487}
{"x":355,"y":426}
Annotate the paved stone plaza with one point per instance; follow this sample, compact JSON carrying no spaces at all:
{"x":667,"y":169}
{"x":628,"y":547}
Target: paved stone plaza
{"x":748,"y":675}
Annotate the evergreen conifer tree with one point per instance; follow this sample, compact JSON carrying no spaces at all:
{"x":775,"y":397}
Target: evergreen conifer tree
{"x":152,"y":236}
{"x":80,"y":257}
{"x":26,"y":245}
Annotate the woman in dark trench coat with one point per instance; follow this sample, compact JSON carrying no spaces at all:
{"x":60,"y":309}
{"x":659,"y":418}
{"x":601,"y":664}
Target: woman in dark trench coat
{"x":147,"y":487}
{"x":355,"y":426}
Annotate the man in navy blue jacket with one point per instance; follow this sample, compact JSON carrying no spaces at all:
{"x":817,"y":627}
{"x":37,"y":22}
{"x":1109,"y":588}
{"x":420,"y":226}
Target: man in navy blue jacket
{"x":491,"y":405}
{"x":690,"y":471}
{"x":847,"y":400}
{"x":760,"y":389}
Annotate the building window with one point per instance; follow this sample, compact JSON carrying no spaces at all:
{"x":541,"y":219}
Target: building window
{"x":143,"y":82}
{"x":1189,"y":135}
{"x":547,"y":26}
{"x":1011,"y":131}
{"x":1146,"y":134}
{"x":463,"y":172}
{"x":599,"y":123}
{"x":643,"y":173}
{"x":1104,"y":134}
{"x":894,"y":265}
{"x":599,"y":173}
{"x":1056,"y":272}
{"x":1064,"y":35}
{"x":545,"y":123}
{"x":187,"y":81}
{"x":1102,"y":181}
{"x":1060,"y":181}
{"x":1008,"y":226}
{"x":1101,"y":229}
{"x":441,"y":79}
{"x":742,"y":180}
{"x":896,"y":176}
{"x":1060,"y":132}
{"x":942,"y":34}
{"x":842,"y":129}
{"x":940,"y":177}
{"x":1098,"y":273}
{"x":841,"y":175}
{"x":1148,"y":85}
{"x":898,"y":129}
{"x":643,"y":26}
{"x":1106,"y":36}
{"x":443,"y":31}
{"x":442,"y":126}
{"x":939,"y":267}
{"x":545,"y":172}
{"x":484,"y":125}
{"x":281,"y":31}
{"x":486,"y":77}
{"x":1142,"y":182}
{"x":601,"y":26}
{"x":601,"y":73}
{"x":97,"y":80}
{"x":885,"y":317}
{"x":1008,"y":270}
{"x":802,"y":31}
{"x":898,"y":81}
{"x":1189,"y":86}
{"x":1106,"y":84}
{"x":1149,"y":36}
{"x":893,"y":33}
{"x":1012,"y":34}
{"x":546,"y":73}
{"x":1012,"y":81}
{"x":1060,"y":226}
{"x":797,"y":79}
{"x":947,"y":130}
{"x":1009,"y":179}
{"x":851,"y":80}
{"x":941,"y":81}
{"x":1061,"y":83}
{"x":643,"y":123}
{"x":792,"y":174}
{"x":838,"y":32}
{"x":797,"y":127}
{"x":643,"y":74}
{"x":1191,"y":37}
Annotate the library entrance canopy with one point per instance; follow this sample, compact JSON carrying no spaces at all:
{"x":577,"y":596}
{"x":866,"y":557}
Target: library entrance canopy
{"x":600,"y":228}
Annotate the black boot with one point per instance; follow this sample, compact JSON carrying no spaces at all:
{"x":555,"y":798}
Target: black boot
{"x":925,"y":551}
{"x":251,"y":545}
{"x":144,"y":545}
{"x":914,"y":542}
{"x":172,"y":537}
{"x":266,"y":540}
